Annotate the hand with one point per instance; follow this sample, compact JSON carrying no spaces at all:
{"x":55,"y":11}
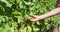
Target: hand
{"x":34,"y":18}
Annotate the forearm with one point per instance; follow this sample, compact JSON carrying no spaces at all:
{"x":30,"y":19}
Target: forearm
{"x":51,"y":13}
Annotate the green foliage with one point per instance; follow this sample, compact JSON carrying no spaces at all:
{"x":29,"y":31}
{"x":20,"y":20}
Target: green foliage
{"x":13,"y":15}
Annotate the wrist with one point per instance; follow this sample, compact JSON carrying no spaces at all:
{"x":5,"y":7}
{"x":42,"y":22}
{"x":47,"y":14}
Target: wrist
{"x":41,"y":17}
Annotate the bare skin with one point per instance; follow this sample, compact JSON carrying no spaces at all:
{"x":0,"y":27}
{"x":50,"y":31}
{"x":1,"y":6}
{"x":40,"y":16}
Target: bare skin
{"x":49,"y":14}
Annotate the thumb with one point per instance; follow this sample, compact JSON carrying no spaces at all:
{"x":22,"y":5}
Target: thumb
{"x":32,"y":20}
{"x":33,"y":16}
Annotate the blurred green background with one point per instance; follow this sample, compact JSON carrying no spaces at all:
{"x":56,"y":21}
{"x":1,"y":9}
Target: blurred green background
{"x":13,"y":15}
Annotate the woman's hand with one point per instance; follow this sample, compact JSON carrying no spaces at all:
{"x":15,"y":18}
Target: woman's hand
{"x":34,"y":18}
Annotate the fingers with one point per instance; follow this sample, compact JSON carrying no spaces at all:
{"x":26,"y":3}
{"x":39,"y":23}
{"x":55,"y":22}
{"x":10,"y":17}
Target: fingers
{"x":33,"y":20}
{"x":33,"y":16}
